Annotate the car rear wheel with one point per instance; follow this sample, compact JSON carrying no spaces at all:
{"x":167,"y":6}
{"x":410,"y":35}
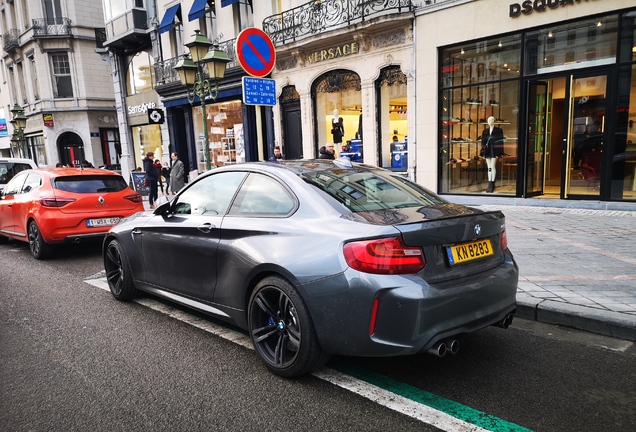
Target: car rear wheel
{"x":282,"y":331}
{"x":118,"y":272}
{"x":39,"y":248}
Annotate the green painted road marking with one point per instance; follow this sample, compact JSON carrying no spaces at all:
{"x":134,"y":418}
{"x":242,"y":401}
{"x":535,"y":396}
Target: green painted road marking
{"x":447,"y":406}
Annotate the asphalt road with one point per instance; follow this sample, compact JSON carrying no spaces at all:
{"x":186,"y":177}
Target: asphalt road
{"x":73,"y":358}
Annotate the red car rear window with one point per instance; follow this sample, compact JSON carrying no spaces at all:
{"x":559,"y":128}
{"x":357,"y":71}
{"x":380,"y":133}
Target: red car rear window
{"x":90,"y":184}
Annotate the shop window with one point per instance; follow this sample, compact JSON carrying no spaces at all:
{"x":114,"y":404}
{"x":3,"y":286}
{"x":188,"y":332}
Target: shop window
{"x":464,"y":118}
{"x":628,"y":38}
{"x":339,"y":112}
{"x":146,"y":138}
{"x":570,"y":43}
{"x":392,"y":109}
{"x":624,"y":140}
{"x":225,"y":133}
{"x":140,"y":76}
{"x":111,"y":147}
{"x":37,"y":151}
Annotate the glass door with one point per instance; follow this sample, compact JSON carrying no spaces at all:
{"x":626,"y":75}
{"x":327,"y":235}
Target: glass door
{"x":585,"y":136}
{"x":536,"y":138}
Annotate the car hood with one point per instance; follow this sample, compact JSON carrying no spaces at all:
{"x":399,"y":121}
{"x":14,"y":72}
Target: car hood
{"x":414,"y":214}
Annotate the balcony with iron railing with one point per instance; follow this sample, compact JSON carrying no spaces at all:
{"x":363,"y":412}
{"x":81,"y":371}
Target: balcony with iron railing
{"x":11,"y":40}
{"x":49,"y":27}
{"x":321,"y":15}
{"x":166,"y":74}
{"x":128,"y":31}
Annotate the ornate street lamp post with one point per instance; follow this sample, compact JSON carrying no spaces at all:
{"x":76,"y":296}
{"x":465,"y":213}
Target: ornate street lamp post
{"x":197,"y":81}
{"x":18,"y":122}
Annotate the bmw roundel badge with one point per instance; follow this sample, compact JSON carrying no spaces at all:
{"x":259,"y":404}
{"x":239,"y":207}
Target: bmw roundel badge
{"x":477,"y":229}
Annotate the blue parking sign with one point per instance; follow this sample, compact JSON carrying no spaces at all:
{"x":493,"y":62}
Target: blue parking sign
{"x":259,"y":91}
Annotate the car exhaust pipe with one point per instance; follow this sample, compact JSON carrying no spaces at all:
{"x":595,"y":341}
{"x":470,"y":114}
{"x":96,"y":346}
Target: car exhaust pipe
{"x":438,"y":350}
{"x":452,"y":345}
{"x":506,"y":322}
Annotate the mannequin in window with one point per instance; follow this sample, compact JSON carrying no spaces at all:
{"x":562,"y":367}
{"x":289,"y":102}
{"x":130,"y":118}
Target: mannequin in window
{"x":491,"y":148}
{"x":337,"y":127}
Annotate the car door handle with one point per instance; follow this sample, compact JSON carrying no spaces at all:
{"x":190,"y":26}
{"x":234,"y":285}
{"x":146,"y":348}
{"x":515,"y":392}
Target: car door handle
{"x":136,"y":231}
{"x":206,"y":227}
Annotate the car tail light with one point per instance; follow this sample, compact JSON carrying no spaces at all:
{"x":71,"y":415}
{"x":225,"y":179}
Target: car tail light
{"x":384,"y":256}
{"x":136,"y":198}
{"x":55,"y":202}
{"x":374,"y":316}
{"x":504,"y":240}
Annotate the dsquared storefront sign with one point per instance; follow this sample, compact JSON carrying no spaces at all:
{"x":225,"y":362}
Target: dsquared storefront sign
{"x":528,"y":6}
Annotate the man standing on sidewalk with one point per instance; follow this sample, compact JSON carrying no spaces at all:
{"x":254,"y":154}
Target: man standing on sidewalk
{"x":151,"y":177}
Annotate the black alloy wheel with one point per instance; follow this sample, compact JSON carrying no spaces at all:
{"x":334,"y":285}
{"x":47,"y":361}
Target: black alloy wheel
{"x":39,"y":248}
{"x":118,"y":272}
{"x":282,"y":331}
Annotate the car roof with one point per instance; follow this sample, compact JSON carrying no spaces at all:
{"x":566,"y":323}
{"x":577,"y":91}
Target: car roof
{"x":64,"y":172}
{"x":18,"y":160}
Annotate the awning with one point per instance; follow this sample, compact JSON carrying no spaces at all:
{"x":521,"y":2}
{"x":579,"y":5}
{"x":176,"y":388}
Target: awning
{"x":168,"y":18}
{"x":198,"y":9}
{"x":228,"y":2}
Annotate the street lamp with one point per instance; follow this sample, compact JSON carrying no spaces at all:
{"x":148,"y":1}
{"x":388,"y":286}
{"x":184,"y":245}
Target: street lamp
{"x":18,"y":122}
{"x":197,"y":82}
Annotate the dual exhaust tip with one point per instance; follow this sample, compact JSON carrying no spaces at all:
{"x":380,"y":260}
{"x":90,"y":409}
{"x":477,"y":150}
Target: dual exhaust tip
{"x":441,"y":348}
{"x":452,"y":345}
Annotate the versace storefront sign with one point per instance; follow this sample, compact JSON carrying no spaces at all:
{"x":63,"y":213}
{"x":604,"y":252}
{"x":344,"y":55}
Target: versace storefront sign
{"x":334,"y":53}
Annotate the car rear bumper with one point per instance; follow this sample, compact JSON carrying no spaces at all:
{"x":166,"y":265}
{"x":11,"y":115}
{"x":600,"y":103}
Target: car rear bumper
{"x":70,"y":228}
{"x":412,"y":316}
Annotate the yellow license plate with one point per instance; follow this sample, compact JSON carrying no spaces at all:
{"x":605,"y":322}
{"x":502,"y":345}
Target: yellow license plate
{"x":469,"y":251}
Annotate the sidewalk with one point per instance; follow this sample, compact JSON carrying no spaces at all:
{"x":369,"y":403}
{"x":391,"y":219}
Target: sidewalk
{"x":576,"y":261}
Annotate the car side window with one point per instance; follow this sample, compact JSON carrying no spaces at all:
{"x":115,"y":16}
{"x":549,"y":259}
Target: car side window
{"x":15,"y":185}
{"x":33,"y":182}
{"x":211,"y":195}
{"x":263,"y":196}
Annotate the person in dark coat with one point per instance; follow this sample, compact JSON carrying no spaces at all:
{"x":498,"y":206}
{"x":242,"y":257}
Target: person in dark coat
{"x":157,"y":165}
{"x":152,"y":176}
{"x":165,"y":172}
{"x":327,"y":152}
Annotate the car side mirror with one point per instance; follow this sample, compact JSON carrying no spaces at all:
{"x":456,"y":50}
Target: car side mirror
{"x":163,"y":206}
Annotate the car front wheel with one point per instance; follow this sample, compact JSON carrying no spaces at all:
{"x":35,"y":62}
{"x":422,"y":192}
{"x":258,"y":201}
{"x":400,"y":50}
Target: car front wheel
{"x":118,"y":272}
{"x":282,"y":331}
{"x":39,"y":248}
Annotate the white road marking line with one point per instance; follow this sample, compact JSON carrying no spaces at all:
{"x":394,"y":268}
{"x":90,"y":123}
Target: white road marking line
{"x":390,"y":400}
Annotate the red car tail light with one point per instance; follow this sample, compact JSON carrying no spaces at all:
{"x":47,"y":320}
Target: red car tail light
{"x":504,"y":240}
{"x":55,"y":202}
{"x":384,"y":256}
{"x":136,"y":198}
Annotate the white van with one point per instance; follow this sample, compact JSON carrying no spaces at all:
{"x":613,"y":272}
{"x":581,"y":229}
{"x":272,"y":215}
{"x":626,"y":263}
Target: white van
{"x":9,"y":167}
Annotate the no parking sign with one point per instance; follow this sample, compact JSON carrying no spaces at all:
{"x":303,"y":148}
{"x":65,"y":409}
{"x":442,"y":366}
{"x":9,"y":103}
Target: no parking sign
{"x":255,"y":52}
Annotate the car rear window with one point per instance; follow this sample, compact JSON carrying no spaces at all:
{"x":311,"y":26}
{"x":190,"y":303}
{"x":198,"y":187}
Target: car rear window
{"x":362,"y":190}
{"x":90,"y":184}
{"x":8,"y":170}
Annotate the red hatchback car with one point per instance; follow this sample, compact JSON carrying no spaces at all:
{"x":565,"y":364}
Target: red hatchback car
{"x":50,"y":206}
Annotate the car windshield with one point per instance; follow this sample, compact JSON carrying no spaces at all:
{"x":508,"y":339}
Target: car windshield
{"x":363,"y":190}
{"x":90,"y":184}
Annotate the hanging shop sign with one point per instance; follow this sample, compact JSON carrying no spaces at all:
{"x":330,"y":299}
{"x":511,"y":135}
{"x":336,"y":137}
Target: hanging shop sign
{"x":528,"y":6}
{"x":334,"y":52}
{"x":48,"y":120}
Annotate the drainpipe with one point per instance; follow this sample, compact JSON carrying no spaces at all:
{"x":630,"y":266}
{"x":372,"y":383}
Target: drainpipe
{"x":413,"y":146}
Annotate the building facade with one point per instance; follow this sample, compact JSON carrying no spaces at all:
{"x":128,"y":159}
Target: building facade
{"x":52,"y":71}
{"x":558,"y":79}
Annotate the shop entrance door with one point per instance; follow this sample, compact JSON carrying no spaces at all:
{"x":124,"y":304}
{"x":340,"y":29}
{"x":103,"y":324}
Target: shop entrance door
{"x":585,"y":135}
{"x":536,"y":138}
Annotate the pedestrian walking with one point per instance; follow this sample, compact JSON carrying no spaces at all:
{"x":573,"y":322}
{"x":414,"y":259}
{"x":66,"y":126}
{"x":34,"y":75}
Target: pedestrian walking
{"x":177,"y":181}
{"x":157,"y":165}
{"x":327,"y":152}
{"x":165,"y":172}
{"x":152,"y":177}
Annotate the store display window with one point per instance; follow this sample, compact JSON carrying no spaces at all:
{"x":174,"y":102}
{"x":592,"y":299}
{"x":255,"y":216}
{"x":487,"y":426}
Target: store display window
{"x":225,"y":133}
{"x":480,"y":82}
{"x":146,"y":138}
{"x":339,"y":113}
{"x":393,"y":142}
